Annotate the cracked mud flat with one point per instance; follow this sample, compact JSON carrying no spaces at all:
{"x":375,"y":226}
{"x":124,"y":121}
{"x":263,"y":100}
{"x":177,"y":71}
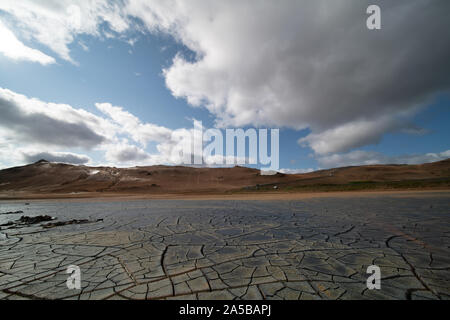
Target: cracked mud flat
{"x":169,"y":249}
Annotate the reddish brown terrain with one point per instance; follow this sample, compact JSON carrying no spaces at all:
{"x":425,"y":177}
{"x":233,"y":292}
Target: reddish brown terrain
{"x":47,"y":180}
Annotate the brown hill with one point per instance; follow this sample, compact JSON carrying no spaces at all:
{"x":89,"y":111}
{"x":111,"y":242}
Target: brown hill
{"x":48,"y":178}
{"x":390,"y":176}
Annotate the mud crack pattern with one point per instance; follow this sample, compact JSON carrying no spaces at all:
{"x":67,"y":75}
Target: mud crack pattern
{"x":163,"y":249}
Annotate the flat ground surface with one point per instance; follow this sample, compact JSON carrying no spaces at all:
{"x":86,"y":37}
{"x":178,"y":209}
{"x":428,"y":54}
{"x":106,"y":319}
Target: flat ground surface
{"x":316,"y":248}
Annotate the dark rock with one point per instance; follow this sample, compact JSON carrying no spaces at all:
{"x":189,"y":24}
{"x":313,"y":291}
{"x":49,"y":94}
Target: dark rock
{"x":34,"y":220}
{"x":65,"y":223}
{"x":12,"y":212}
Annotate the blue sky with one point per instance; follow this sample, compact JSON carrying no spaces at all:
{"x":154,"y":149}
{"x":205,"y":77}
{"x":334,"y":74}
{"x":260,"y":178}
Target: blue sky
{"x":125,"y":69}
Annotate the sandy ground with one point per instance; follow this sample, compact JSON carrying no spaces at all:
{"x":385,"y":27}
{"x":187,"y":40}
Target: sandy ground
{"x":269,"y":196}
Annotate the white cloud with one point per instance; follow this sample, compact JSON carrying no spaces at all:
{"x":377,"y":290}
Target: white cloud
{"x":31,"y":129}
{"x":306,"y":63}
{"x":35,"y":124}
{"x":83,"y":46}
{"x":302,"y":64}
{"x":350,"y":135}
{"x":56,"y":23}
{"x":132,"y":41}
{"x":14,"y":49}
{"x":28,"y":124}
{"x":8,"y":155}
{"x":125,"y":153}
{"x":31,"y":120}
{"x":140,"y":132}
{"x":295,"y":171}
{"x":359,"y":157}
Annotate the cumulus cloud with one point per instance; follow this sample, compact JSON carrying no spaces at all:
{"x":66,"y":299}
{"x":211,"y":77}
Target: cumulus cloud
{"x":303,"y":64}
{"x":124,"y":153}
{"x":56,"y":23}
{"x":31,"y":120}
{"x":122,"y":136}
{"x":141,"y":132}
{"x":306,"y":63}
{"x":33,"y":124}
{"x":359,"y":157}
{"x":14,"y":49}
{"x":62,"y":157}
{"x":350,"y":135}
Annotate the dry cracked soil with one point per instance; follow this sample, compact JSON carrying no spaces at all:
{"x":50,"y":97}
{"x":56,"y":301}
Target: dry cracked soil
{"x":177,"y":249}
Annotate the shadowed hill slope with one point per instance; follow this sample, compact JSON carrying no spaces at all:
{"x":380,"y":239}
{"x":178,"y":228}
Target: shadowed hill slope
{"x":44,"y":177}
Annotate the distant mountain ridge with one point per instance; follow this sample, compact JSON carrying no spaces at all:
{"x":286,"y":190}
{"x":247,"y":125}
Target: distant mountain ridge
{"x":44,"y":177}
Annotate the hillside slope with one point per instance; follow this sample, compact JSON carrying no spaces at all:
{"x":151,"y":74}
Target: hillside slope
{"x":44,"y":177}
